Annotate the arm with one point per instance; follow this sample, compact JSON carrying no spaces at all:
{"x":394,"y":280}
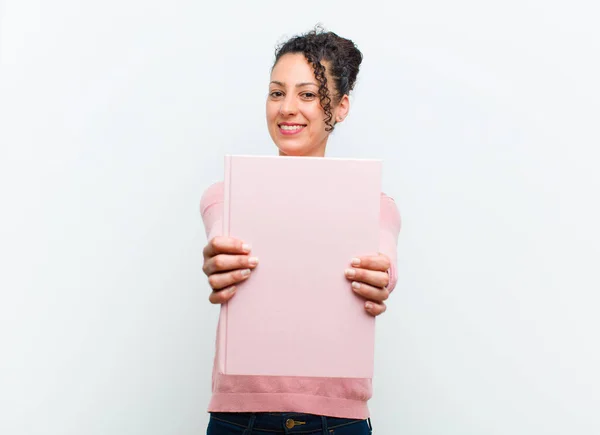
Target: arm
{"x":226,"y":260}
{"x":389,"y":231}
{"x":211,"y":210}
{"x":375,"y":277}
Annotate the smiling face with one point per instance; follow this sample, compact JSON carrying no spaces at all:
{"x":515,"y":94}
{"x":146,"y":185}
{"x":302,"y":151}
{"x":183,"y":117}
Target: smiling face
{"x":295,"y":118}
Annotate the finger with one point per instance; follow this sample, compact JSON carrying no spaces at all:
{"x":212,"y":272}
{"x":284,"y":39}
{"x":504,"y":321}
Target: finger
{"x":220,"y":281}
{"x":371,"y":277}
{"x":226,"y":262}
{"x":379,"y":262}
{"x":375,"y":308}
{"x":376,"y":294}
{"x":225,"y":245}
{"x":222,"y":296}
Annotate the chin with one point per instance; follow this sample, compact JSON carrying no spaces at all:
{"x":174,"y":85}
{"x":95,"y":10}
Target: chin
{"x":299,"y":149}
{"x":291,"y":147}
{"x":292,"y":150}
{"x":289,"y":151}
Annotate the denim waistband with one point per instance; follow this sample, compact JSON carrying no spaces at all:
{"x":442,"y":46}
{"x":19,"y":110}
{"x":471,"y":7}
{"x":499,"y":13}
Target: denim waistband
{"x":284,"y":422}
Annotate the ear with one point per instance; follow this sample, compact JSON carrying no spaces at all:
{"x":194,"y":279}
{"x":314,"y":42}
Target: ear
{"x":342,"y":109}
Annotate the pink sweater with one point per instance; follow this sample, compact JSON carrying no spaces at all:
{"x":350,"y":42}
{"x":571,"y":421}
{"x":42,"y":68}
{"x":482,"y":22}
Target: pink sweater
{"x":335,"y":397}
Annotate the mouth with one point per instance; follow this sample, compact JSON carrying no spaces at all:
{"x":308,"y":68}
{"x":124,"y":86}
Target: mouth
{"x":289,"y":128}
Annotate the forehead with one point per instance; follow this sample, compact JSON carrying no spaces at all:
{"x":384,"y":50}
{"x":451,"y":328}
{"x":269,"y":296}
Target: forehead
{"x":293,"y":68}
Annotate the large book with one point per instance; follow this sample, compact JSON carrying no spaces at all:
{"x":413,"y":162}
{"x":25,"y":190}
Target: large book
{"x":305,"y":218}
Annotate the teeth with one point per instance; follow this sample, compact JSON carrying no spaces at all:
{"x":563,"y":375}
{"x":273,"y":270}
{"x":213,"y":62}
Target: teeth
{"x":291,"y":127}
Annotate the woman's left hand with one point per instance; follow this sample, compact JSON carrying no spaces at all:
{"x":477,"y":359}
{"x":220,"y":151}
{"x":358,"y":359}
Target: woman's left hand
{"x":370,"y":278}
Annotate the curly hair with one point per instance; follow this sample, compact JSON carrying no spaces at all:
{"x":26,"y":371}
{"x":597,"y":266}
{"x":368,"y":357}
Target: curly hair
{"x":343,"y":61}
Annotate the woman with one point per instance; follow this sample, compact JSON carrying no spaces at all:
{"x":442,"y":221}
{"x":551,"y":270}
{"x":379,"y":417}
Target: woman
{"x":310,"y":82}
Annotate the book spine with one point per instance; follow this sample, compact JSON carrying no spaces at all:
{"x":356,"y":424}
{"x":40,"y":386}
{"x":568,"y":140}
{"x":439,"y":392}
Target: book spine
{"x":226,"y":232}
{"x":227,"y":195}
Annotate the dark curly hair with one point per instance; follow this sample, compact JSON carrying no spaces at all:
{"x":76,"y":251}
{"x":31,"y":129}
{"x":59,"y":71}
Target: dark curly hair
{"x":343,"y":59}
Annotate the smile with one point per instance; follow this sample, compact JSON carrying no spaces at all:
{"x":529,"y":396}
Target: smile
{"x":291,"y":128}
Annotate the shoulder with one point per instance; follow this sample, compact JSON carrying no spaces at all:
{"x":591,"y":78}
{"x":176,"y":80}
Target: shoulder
{"x":386,"y":198}
{"x":388,"y":201}
{"x":389,"y":212}
{"x":212,"y":195}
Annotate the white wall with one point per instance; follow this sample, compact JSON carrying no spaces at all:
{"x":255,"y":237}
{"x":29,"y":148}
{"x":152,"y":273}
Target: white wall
{"x":115,"y":116}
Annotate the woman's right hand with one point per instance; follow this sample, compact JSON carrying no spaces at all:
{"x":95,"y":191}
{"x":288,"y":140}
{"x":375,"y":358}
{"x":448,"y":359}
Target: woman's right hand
{"x":226,"y":263}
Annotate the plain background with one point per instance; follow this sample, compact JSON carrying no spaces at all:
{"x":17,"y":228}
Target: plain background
{"x":115,"y":116}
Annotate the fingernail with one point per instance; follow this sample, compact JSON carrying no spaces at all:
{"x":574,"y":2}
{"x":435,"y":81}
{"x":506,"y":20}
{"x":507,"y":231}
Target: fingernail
{"x":355,"y":285}
{"x":350,"y":273}
{"x":356,"y":262}
{"x":246,"y":247}
{"x":253,"y":261}
{"x":232,"y":289}
{"x":369,"y":305}
{"x":245,"y":272}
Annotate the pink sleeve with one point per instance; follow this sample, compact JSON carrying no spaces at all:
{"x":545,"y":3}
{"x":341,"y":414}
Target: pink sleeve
{"x":211,"y":210}
{"x":390,"y":229}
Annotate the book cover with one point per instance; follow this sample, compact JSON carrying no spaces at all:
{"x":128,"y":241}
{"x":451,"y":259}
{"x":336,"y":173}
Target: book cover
{"x":306,"y":218}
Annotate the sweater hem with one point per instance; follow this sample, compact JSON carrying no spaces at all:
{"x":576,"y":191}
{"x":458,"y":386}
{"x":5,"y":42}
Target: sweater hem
{"x":288,"y":402}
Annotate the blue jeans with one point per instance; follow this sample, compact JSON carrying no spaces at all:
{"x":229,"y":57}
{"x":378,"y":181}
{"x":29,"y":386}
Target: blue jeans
{"x":267,"y":423}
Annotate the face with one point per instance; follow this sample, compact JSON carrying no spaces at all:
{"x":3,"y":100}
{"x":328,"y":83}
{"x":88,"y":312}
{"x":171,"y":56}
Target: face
{"x":295,"y":118}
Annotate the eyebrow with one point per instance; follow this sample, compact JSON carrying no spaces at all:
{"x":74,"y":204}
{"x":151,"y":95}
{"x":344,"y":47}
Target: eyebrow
{"x":299,"y":85}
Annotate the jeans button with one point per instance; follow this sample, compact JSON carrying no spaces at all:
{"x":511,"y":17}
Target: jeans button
{"x":289,"y":423}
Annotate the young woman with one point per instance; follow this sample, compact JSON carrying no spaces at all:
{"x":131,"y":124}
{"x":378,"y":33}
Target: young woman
{"x":311,"y":79}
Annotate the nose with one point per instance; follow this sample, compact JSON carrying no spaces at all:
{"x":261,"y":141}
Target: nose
{"x":288,"y":106}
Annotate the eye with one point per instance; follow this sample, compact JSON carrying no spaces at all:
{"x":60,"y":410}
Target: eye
{"x":308,"y":95}
{"x":276,"y":94}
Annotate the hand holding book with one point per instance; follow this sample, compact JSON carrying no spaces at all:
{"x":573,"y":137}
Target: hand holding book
{"x":370,"y":279}
{"x":226,"y":263}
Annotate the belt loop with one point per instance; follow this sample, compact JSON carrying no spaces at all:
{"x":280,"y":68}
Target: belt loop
{"x":250,"y":427}
{"x":324,"y":423}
